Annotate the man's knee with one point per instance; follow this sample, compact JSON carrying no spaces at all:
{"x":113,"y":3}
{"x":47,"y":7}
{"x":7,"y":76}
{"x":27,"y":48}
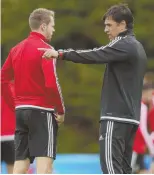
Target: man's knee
{"x":21,"y":166}
{"x":20,"y":170}
{"x":44,"y":169}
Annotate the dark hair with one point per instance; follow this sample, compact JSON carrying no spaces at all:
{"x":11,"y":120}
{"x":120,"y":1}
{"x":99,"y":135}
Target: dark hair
{"x":119,"y":13}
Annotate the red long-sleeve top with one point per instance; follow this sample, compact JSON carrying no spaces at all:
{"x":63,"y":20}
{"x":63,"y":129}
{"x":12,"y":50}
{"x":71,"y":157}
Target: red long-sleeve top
{"x":36,"y":82}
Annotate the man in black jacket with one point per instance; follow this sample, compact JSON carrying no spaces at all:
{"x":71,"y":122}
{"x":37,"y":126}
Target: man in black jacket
{"x":125,"y":61}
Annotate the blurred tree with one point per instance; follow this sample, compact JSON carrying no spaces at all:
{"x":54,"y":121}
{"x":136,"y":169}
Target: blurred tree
{"x":78,"y":25}
{"x":80,"y":16}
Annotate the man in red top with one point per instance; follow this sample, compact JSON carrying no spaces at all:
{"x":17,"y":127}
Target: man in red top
{"x":7,"y":133}
{"x":151,"y":125}
{"x":38,"y":99}
{"x":143,"y":138}
{"x":151,"y":115}
{"x":139,"y":146}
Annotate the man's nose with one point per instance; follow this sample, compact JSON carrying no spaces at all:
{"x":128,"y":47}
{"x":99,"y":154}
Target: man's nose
{"x":106,"y":30}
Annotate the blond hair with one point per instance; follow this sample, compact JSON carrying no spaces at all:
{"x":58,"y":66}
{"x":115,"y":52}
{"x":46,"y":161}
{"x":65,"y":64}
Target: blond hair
{"x":39,"y":16}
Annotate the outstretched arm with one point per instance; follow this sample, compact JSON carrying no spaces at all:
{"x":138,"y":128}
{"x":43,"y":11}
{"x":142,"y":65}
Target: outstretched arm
{"x":114,"y":51}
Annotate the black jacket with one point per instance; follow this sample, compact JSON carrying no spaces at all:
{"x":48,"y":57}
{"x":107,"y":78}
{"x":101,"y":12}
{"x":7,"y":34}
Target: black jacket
{"x":125,"y":61}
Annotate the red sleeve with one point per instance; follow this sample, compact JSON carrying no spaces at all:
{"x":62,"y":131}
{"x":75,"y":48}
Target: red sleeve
{"x":52,"y":85}
{"x":7,"y":75}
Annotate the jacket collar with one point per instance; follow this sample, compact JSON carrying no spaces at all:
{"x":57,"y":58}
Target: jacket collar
{"x":39,"y":35}
{"x":127,"y":32}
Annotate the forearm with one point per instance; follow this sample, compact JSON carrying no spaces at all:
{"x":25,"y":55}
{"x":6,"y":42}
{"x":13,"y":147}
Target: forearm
{"x":56,"y":100}
{"x":8,"y":95}
{"x":79,"y":57}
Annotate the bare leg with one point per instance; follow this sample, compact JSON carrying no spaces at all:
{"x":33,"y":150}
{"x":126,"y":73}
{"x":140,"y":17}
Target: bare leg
{"x":21,"y":166}
{"x":44,"y":165}
{"x":152,"y":168}
{"x":10,"y":168}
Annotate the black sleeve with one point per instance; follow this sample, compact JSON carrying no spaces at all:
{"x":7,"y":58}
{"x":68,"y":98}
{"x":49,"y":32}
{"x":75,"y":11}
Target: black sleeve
{"x":114,"y":51}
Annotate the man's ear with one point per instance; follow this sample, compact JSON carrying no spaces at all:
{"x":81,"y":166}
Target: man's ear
{"x":43,"y":27}
{"x":123,"y":24}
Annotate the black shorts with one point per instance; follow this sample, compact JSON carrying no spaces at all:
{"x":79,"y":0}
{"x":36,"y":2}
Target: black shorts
{"x":35,"y":135}
{"x":7,"y":152}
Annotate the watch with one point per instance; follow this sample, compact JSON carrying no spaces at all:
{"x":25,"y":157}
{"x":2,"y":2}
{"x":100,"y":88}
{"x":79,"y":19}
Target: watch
{"x":60,"y":54}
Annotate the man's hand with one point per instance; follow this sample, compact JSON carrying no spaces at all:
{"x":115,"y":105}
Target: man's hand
{"x":59,"y":118}
{"x":49,"y":53}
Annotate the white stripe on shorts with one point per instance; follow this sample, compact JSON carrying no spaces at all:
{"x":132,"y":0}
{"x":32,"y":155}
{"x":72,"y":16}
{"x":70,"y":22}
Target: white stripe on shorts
{"x":108,"y":147}
{"x":50,"y":135}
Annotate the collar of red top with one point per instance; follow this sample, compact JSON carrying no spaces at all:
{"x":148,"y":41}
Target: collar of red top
{"x":39,"y":35}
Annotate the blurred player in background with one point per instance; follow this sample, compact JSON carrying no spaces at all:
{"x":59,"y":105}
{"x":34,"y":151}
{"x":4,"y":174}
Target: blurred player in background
{"x":144,"y":136}
{"x":7,"y":132}
{"x":39,"y":104}
{"x":151,"y":125}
